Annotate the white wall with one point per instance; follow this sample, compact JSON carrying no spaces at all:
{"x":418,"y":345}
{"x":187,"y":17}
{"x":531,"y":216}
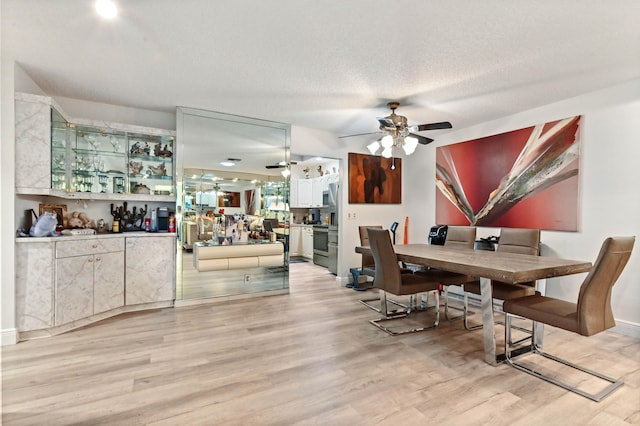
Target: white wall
{"x":117,"y":114}
{"x":7,"y":184}
{"x":609,"y":177}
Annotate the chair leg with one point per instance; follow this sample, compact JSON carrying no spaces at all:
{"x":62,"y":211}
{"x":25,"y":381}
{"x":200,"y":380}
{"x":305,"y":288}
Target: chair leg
{"x":379,"y":322}
{"x":383,"y":303}
{"x":446,"y":305}
{"x":465,"y":314}
{"x":478,"y":326}
{"x":536,"y":349}
{"x":376,"y":307}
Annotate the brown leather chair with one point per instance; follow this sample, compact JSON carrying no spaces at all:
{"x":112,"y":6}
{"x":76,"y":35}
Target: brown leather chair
{"x":368,"y":269}
{"x":463,"y":237}
{"x":368,"y":265}
{"x":512,"y":240}
{"x":390,"y":279}
{"x":590,"y":315}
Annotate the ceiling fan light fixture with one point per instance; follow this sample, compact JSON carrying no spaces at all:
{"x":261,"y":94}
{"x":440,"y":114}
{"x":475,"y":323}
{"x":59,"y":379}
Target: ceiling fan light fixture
{"x":387,"y":152}
{"x":387,"y":141}
{"x":227,"y":163}
{"x":373,"y":147}
{"x":285,"y":173}
{"x":409,"y":145}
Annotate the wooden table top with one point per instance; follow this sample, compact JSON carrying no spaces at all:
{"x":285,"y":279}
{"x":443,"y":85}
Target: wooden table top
{"x":506,"y":267}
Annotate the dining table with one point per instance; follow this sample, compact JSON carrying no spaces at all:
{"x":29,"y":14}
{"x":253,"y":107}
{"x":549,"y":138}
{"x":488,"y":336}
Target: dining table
{"x":488,"y":265}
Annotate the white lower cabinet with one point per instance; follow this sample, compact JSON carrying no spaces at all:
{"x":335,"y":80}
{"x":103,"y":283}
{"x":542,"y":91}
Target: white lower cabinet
{"x":307,"y":242}
{"x":74,"y":289}
{"x":150,"y":270}
{"x":68,"y":280}
{"x":295,"y":246}
{"x":89,"y":278}
{"x":35,"y":268}
{"x":108,"y":282}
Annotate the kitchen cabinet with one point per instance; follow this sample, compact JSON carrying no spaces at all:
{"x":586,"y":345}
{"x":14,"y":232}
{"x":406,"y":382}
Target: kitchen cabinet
{"x":307,"y":241}
{"x":33,"y":144}
{"x":71,"y":281}
{"x":150,"y":163}
{"x":87,"y":159}
{"x":295,"y":241}
{"x":304,"y":193}
{"x":108,"y":282}
{"x":316,"y":190}
{"x":74,"y":289}
{"x":89,"y":278}
{"x":150,"y":269}
{"x":34,"y":285}
{"x":293,"y":193}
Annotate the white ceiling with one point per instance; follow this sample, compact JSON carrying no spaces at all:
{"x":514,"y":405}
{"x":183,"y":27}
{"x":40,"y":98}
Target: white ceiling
{"x":331,"y":64}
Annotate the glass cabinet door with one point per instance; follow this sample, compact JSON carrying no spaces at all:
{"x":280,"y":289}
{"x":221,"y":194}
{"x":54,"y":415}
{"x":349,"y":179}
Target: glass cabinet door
{"x":150,"y":167}
{"x":100,"y":160}
{"x":60,"y":151}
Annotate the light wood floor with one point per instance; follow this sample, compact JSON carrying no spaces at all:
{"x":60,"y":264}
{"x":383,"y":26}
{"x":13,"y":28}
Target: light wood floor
{"x":309,"y":357}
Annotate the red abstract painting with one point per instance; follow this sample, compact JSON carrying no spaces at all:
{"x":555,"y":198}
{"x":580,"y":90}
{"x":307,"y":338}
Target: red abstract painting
{"x":525,"y":178}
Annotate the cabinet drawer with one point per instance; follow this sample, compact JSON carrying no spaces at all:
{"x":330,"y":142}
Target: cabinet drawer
{"x":90,"y":246}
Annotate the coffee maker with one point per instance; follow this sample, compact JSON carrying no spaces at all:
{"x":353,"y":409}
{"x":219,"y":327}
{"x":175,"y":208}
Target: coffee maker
{"x":163,"y":219}
{"x":314,"y":216}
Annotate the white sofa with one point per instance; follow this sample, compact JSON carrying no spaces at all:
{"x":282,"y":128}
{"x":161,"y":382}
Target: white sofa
{"x":237,"y":256}
{"x":200,"y":229}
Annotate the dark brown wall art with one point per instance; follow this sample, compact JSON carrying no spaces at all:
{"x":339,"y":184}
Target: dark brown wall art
{"x":374,"y":179}
{"x":229,"y":199}
{"x":526,"y":178}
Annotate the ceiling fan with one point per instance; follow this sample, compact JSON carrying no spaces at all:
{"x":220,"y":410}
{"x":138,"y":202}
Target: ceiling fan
{"x":398,"y":134}
{"x":280,"y":165}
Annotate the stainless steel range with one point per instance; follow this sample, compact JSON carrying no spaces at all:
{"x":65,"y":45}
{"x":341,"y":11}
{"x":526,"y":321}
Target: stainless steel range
{"x":321,"y":245}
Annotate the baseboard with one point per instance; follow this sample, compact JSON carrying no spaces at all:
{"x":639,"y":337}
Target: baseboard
{"x":627,"y":328}
{"x":222,"y":299}
{"x":9,"y":337}
{"x":344,"y":280}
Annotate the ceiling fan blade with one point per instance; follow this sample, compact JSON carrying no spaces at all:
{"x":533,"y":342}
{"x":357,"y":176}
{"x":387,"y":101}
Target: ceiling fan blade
{"x":386,"y":122}
{"x":358,"y":134}
{"x":421,"y":139}
{"x":434,"y":126}
{"x":281,"y":165}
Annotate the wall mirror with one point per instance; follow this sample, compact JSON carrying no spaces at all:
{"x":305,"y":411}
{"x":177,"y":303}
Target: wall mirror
{"x":232,"y":177}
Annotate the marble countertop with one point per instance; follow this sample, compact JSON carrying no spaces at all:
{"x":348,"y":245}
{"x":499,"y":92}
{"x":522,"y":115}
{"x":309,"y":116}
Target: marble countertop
{"x":87,"y":237}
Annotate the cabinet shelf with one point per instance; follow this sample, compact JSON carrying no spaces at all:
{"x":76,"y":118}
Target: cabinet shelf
{"x":91,"y":173}
{"x":94,"y":153}
{"x":154,"y":177}
{"x":150,"y":158}
{"x":70,"y":195}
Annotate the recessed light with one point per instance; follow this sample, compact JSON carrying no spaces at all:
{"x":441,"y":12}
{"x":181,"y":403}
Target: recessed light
{"x":227,"y":163}
{"x":106,"y":8}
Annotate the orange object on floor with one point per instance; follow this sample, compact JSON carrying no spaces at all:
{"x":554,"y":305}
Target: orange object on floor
{"x":406,"y":230}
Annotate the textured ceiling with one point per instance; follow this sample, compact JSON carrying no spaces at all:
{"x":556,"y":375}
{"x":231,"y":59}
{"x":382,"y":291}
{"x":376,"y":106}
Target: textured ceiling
{"x":331,"y":64}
